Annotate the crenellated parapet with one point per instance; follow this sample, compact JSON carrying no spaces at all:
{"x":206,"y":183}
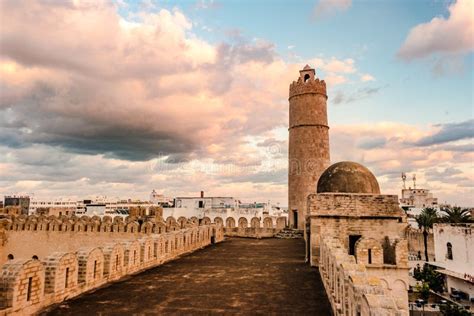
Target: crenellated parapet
{"x":29,"y":284}
{"x":95,"y":224}
{"x":351,"y":289}
{"x":308,"y":86}
{"x":255,"y":228}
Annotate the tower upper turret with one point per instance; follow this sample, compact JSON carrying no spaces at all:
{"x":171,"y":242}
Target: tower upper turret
{"x":308,"y":83}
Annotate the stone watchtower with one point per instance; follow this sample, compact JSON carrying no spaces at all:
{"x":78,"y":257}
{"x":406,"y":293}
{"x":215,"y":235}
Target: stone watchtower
{"x":308,"y":142}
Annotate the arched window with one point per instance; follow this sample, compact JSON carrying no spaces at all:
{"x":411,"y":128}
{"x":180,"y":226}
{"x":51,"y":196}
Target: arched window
{"x":449,"y":254}
{"x":10,"y":257}
{"x":306,"y":77}
{"x":35,"y":257}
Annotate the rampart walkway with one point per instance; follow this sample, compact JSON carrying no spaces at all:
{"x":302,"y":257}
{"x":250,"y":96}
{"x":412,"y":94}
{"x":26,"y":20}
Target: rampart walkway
{"x":238,"y":276}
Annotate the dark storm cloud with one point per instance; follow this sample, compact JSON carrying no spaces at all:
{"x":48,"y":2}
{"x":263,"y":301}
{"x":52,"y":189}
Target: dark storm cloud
{"x":67,"y":117}
{"x":448,"y":133}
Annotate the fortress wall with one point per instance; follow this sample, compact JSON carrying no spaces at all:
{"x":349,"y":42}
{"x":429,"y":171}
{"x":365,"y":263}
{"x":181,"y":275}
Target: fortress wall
{"x":73,"y":262}
{"x":255,"y":228}
{"x":416,"y":244}
{"x":351,"y":289}
{"x":347,"y":204}
{"x":344,"y":227}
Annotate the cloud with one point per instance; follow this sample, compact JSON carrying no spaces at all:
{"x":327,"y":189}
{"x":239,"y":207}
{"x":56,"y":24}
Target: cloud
{"x":449,"y":133}
{"x":372,"y":142}
{"x":447,"y":65}
{"x":360,"y":94}
{"x":366,"y":77}
{"x":452,"y":35}
{"x":129,"y":89}
{"x":207,"y":4}
{"x":130,"y":104}
{"x":389,"y":148}
{"x":326,"y":8}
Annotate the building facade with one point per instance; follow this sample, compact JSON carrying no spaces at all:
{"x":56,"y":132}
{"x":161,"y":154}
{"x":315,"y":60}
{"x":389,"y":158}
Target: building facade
{"x":308,"y":141}
{"x":22,"y":201}
{"x":454,"y":252}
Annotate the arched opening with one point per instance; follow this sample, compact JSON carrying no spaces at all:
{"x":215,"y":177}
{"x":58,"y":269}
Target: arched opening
{"x":10,"y":257}
{"x":306,"y":77}
{"x":35,"y":257}
{"x":389,"y":251}
{"x":449,"y":254}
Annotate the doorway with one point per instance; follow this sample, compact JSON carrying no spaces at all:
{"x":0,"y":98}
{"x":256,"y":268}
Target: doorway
{"x":295,"y":219}
{"x":352,"y":241}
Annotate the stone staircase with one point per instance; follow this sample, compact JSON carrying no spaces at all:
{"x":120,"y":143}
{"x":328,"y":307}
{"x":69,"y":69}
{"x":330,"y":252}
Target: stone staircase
{"x":289,"y":233}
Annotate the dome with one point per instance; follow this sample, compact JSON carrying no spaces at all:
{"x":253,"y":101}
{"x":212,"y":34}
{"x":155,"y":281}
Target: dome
{"x":348,"y":177}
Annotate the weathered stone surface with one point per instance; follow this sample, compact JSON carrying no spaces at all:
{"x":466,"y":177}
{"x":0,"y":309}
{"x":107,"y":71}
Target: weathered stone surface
{"x":238,"y":276}
{"x":348,"y":177}
{"x":308,"y":150}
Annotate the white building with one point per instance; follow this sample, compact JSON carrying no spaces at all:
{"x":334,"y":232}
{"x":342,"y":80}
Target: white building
{"x":413,"y":201}
{"x":454,"y":253}
{"x":222,"y":207}
{"x":56,"y":207}
{"x":159,"y":199}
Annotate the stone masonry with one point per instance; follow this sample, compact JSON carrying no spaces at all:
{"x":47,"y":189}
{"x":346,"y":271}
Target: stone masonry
{"x":308,"y":142}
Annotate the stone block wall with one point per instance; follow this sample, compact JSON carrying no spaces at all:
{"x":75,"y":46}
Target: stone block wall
{"x":351,"y":289}
{"x":256,"y":229}
{"x":416,"y":244}
{"x":114,"y":256}
{"x":354,"y":205}
{"x":359,"y":243}
{"x":61,"y":273}
{"x":28,"y":285}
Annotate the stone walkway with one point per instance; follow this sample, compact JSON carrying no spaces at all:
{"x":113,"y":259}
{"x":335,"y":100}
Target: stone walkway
{"x":238,"y":276}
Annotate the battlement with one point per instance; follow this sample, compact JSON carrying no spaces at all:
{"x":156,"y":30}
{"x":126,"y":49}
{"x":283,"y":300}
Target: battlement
{"x":50,"y":259}
{"x":310,"y":85}
{"x":352,"y":289}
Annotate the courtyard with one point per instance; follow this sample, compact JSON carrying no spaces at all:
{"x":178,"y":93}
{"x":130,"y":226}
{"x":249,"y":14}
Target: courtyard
{"x":237,"y":276}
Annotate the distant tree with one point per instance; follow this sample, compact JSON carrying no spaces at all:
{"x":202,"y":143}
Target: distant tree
{"x":455,"y":215}
{"x":425,"y":221}
{"x":453,"y":310}
{"x":428,"y":275}
{"x":424,"y":290}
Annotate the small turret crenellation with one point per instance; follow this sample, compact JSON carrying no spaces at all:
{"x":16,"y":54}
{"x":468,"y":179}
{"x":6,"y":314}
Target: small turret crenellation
{"x":310,"y":85}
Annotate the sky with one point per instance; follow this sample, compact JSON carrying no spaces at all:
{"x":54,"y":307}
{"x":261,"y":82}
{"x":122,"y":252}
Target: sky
{"x":116,"y":98}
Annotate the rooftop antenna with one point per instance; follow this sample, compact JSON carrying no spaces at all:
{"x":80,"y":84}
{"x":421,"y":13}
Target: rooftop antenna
{"x":414,"y":181}
{"x":404,"y":179}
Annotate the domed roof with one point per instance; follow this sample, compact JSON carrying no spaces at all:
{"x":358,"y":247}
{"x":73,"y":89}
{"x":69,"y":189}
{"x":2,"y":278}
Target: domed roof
{"x":348,"y":177}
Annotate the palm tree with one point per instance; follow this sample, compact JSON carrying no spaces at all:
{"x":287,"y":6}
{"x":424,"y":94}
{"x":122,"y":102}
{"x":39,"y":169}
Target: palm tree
{"x":425,"y":221}
{"x":456,"y":215}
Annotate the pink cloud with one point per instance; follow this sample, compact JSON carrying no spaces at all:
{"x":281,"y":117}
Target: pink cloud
{"x":452,"y":35}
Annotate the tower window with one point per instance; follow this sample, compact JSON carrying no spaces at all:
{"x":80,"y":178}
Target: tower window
{"x":449,"y":254}
{"x":370,"y":256}
{"x":306,"y":77}
{"x":28,"y":291}
{"x":66,"y":279}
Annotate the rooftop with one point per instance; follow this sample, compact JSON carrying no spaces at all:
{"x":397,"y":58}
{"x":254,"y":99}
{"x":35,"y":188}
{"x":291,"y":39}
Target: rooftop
{"x":237,"y":276}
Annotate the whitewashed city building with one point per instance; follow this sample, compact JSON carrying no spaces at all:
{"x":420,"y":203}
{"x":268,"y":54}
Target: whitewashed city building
{"x":454,"y":252}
